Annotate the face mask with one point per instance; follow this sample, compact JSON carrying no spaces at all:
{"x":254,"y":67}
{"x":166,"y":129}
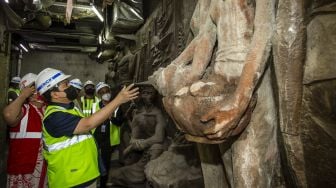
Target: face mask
{"x":71,"y":93}
{"x":90,"y":91}
{"x":106,"y":97}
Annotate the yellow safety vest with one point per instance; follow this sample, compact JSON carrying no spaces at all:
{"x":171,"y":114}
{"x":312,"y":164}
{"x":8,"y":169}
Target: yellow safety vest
{"x":114,"y":129}
{"x":17,"y":91}
{"x":88,"y":105}
{"x":71,"y":160}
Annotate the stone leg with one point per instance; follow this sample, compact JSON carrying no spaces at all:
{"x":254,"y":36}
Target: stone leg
{"x":255,"y":154}
{"x":212,"y":166}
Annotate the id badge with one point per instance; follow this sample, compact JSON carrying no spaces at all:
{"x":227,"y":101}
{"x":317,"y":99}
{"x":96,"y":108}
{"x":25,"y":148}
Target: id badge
{"x":103,"y":128}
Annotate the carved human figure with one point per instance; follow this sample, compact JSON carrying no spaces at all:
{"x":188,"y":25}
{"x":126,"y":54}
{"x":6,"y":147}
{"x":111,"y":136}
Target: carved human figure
{"x":126,"y":66}
{"x":213,"y":102}
{"x":111,"y":77}
{"x":148,"y":137}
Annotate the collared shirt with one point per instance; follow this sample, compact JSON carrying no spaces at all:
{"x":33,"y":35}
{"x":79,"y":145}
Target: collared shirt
{"x":60,"y":124}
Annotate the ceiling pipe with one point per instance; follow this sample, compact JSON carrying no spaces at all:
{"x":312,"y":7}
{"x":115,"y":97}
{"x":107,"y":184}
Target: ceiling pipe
{"x":99,"y":15}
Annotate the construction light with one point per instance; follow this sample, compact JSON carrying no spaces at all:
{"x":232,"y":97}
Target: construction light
{"x":97,"y":13}
{"x":100,"y":53}
{"x":23,"y":47}
{"x":100,"y":39}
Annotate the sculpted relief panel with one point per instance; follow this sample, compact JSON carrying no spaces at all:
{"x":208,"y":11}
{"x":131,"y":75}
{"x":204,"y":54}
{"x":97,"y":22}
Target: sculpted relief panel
{"x":244,"y":84}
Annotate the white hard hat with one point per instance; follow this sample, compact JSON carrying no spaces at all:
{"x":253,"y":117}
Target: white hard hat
{"x":16,"y":80}
{"x":48,"y":78}
{"x":76,"y":83}
{"x":101,"y":85}
{"x":89,"y":82}
{"x":27,"y":80}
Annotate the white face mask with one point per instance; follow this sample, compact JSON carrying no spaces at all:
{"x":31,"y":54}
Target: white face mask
{"x":106,"y":97}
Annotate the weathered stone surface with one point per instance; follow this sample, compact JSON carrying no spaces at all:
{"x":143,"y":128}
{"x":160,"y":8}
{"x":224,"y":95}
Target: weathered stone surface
{"x":176,"y":168}
{"x":319,"y":133}
{"x":4,"y":81}
{"x":321,"y":45}
{"x":319,"y":103}
{"x":211,"y":97}
{"x":288,"y":55}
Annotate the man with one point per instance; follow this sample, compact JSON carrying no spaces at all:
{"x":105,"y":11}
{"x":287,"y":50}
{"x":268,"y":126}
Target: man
{"x":89,"y":99}
{"x":13,"y":91}
{"x":69,"y":147}
{"x":107,"y":134}
{"x":25,"y":165}
{"x":79,"y":86}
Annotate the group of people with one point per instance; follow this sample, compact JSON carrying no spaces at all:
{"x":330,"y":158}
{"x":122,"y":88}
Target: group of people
{"x":57,"y":137}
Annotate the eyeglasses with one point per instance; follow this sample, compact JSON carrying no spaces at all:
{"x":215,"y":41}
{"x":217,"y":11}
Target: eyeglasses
{"x":62,"y":83}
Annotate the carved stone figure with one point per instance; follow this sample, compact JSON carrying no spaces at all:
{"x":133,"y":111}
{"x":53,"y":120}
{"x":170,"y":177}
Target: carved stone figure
{"x":212,"y":102}
{"x":148,"y":137}
{"x":111,"y":77}
{"x":178,"y":167}
{"x":126,"y":66}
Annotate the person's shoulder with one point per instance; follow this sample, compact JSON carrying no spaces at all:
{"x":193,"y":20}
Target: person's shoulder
{"x":12,"y":93}
{"x":57,"y":117}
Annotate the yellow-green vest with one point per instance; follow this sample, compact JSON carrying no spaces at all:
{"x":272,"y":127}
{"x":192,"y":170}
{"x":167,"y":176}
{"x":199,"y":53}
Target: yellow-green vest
{"x":114,"y":129}
{"x":17,"y":91}
{"x":71,"y":160}
{"x":88,"y":105}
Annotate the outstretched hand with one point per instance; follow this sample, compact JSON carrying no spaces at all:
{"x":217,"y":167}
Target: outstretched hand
{"x":127,"y":94}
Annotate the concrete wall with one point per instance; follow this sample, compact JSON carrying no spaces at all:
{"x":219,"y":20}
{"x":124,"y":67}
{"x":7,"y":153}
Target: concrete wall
{"x":4,"y":74}
{"x":78,"y":65}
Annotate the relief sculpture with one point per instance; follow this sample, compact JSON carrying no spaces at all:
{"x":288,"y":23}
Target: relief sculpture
{"x":220,"y":87}
{"x":147,"y":138}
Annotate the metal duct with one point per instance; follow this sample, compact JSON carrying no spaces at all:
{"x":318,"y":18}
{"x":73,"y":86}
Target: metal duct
{"x":14,"y":21}
{"x":127,"y":16}
{"x":74,"y":48}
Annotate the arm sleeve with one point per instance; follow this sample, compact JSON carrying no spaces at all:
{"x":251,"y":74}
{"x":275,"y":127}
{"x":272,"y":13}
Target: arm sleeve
{"x":119,"y":119}
{"x":60,"y":124}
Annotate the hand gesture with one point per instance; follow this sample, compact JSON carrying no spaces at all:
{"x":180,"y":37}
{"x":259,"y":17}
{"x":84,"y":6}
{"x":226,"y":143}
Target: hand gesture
{"x":27,"y":92}
{"x":126,"y":94}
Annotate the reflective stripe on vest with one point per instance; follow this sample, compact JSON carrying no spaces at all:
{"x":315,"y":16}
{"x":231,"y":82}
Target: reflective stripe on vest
{"x":17,"y":91}
{"x":23,"y":127}
{"x":71,"y":160}
{"x":67,"y":143}
{"x":114,"y":130}
{"x":89,"y":105}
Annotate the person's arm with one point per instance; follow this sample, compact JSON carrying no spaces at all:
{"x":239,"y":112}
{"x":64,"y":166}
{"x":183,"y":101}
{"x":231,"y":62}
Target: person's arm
{"x":93,"y":121}
{"x":13,"y":112}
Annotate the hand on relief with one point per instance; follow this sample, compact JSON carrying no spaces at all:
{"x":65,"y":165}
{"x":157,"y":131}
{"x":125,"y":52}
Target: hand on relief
{"x":138,"y":144}
{"x":127,"y":93}
{"x":226,"y":120}
{"x":230,"y":120}
{"x":27,"y":92}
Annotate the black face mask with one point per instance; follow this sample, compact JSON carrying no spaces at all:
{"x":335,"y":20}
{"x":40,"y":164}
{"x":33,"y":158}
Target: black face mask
{"x":90,"y":91}
{"x":71,"y":93}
